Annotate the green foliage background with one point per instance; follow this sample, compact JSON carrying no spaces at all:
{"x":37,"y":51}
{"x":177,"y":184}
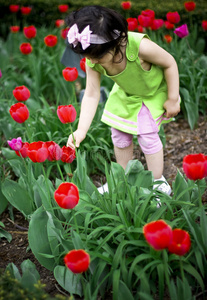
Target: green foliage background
{"x":43,"y":14}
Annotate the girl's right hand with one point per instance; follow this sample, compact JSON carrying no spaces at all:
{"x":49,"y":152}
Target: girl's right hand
{"x":76,"y":138}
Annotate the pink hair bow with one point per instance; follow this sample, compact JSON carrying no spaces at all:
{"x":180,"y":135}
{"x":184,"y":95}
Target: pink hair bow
{"x":84,"y":37}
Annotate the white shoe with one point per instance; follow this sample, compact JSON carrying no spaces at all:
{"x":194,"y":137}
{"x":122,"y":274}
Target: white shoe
{"x":103,"y":189}
{"x":162,"y":187}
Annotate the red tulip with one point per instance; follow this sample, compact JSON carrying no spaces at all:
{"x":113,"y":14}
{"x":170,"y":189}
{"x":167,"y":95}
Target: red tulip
{"x":173,"y":17}
{"x":140,"y":28}
{"x":83,"y":64}
{"x":77,"y":261}
{"x":182,"y":31}
{"x":156,"y":24}
{"x":14,"y":29}
{"x":26,"y":10}
{"x":13,"y":8}
{"x":30,"y":31}
{"x":195,"y":166}
{"x":169,"y":25}
{"x":189,"y":5}
{"x":66,"y":113}
{"x":63,"y":8}
{"x":168,"y":38}
{"x":19,"y":112}
{"x":132,"y":24}
{"x":21,"y":93}
{"x":148,"y":13}
{"x":204,"y":25}
{"x":37,"y":151}
{"x":126,"y":5}
{"x":23,"y":150}
{"x":26,"y":48}
{"x":64,"y":32}
{"x":51,"y":40}
{"x":180,"y":243}
{"x":67,"y":195}
{"x":158,"y":234}
{"x":146,"y":18}
{"x":68,"y":154}
{"x":54,"y":151}
{"x":70,"y":74}
{"x":59,"y":23}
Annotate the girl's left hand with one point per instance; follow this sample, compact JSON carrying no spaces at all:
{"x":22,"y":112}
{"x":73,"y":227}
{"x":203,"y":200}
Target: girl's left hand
{"x":172,"y":108}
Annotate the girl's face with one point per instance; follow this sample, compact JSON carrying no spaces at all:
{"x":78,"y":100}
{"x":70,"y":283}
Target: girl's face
{"x":106,"y":59}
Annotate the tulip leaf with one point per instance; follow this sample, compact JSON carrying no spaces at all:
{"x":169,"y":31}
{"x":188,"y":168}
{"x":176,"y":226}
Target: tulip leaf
{"x":3,"y":202}
{"x":68,"y":280}
{"x":30,"y":274}
{"x":38,"y":232}
{"x":18,"y":196}
{"x":13,"y":270}
{"x":180,"y":188}
{"x":192,"y":271}
{"x":124,"y":292}
{"x":5,"y":234}
{"x":203,"y":222}
{"x":190,"y":106}
{"x":137,"y":176}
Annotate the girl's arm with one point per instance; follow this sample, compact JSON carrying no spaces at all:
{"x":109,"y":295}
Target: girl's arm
{"x":88,"y":107}
{"x":152,"y":53}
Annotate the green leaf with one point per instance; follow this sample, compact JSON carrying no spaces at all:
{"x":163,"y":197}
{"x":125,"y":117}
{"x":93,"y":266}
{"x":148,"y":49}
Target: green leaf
{"x":180,"y":188}
{"x":30,"y":275}
{"x":3,"y":202}
{"x":203,"y":223}
{"x":18,"y":196}
{"x":192,"y":271}
{"x":38,"y":238}
{"x":5,"y":234}
{"x":68,"y":280}
{"x":124,"y":292}
{"x":13,"y":270}
{"x":116,"y":279}
{"x":191,"y":107}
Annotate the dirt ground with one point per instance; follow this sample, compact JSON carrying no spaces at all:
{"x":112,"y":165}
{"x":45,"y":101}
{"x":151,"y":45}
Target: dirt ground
{"x":180,"y":142}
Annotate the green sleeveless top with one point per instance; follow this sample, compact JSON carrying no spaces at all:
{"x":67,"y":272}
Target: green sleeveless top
{"x":133,"y":87}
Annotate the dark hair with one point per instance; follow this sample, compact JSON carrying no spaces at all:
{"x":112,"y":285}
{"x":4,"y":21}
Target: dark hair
{"x":102,"y":21}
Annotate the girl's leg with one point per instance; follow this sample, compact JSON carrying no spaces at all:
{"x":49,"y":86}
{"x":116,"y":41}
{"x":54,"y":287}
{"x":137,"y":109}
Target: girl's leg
{"x":123,"y":155}
{"x":155,"y":163}
{"x":123,"y":146}
{"x":152,"y":148}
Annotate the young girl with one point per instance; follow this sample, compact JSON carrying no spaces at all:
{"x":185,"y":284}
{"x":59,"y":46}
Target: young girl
{"x":146,"y":90}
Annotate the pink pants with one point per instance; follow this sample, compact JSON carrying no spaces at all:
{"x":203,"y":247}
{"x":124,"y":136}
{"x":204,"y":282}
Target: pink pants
{"x":148,"y":137}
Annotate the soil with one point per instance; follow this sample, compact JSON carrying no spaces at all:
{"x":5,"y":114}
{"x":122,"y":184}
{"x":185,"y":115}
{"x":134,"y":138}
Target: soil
{"x":180,"y":141}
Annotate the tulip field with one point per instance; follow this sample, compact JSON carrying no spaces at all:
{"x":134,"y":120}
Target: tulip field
{"x":122,"y":244}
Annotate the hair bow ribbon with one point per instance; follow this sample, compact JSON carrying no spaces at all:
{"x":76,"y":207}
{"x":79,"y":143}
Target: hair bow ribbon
{"x":84,"y":37}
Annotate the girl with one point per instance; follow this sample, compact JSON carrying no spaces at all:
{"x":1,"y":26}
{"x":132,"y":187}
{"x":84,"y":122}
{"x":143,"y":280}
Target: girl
{"x":146,"y":89}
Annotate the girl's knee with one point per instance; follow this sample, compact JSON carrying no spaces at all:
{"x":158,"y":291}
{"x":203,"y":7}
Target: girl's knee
{"x":121,"y":139}
{"x":150,"y":143}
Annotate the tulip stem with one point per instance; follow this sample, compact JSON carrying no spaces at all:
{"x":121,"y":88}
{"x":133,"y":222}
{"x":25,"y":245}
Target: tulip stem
{"x":28,"y":131}
{"x":60,"y":171}
{"x":181,"y":270}
{"x":71,"y":130}
{"x":199,"y":194}
{"x":165,"y":260}
{"x":75,"y":221}
{"x":46,"y":182}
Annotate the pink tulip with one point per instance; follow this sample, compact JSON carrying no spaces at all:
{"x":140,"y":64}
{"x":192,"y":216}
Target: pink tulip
{"x":182,"y":31}
{"x":15,"y":144}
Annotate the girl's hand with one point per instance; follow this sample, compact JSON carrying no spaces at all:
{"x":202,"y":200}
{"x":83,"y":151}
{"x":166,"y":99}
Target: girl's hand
{"x":76,"y":138}
{"x":172,"y":108}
